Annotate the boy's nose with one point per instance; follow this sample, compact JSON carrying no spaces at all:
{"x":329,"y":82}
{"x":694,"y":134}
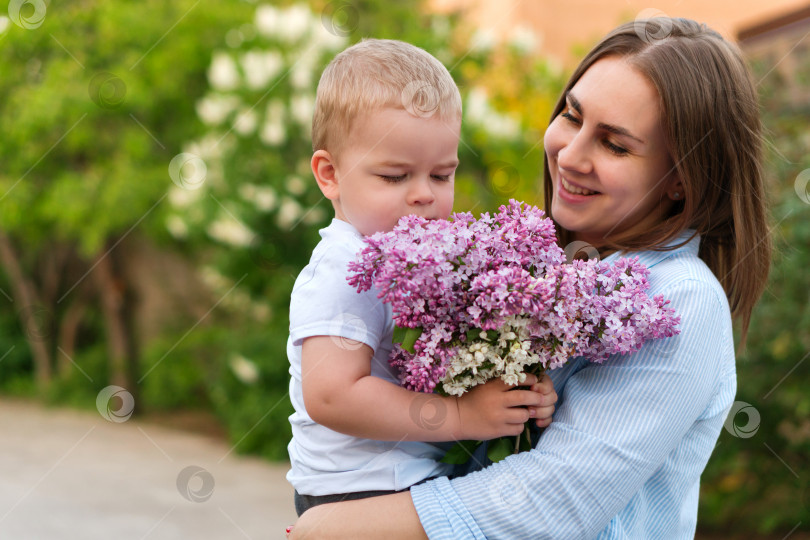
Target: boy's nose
{"x":420,"y":192}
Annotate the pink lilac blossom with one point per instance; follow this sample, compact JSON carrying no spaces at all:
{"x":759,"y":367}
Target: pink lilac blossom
{"x":493,"y":297}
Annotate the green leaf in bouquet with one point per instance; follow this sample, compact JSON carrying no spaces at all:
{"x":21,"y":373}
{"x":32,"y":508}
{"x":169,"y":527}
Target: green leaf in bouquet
{"x":406,"y":337}
{"x":475,"y":333}
{"x":500,"y":448}
{"x":461,"y":452}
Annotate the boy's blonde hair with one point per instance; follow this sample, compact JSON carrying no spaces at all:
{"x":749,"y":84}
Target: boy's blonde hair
{"x":378,"y":73}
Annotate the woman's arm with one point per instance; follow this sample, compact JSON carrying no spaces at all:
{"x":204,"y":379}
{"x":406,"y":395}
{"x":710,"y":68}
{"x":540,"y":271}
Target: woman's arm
{"x":392,"y":517}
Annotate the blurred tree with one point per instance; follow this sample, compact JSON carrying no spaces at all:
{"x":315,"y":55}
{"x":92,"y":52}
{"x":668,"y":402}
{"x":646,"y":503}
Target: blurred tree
{"x":95,"y":100}
{"x":756,"y":480}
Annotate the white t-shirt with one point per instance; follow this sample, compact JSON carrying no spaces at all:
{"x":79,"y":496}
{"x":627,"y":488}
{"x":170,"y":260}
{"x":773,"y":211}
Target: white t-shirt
{"x":325,"y":462}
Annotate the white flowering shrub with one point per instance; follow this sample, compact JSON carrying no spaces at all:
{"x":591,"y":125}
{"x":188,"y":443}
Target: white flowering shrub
{"x":256,"y":197}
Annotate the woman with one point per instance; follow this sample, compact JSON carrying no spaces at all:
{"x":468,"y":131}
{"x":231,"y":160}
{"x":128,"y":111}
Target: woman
{"x":653,"y":151}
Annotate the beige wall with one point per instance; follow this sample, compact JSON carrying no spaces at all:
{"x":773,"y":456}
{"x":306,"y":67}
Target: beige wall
{"x":561,"y":25}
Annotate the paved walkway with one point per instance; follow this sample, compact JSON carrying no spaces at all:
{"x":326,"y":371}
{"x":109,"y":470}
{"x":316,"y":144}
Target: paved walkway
{"x":71,"y":474}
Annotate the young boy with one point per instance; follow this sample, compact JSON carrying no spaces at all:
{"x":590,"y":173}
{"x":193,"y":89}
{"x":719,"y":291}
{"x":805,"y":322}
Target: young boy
{"x":385,"y":140}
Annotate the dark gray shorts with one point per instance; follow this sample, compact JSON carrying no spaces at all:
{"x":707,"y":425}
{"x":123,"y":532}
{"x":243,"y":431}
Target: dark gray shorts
{"x":305,"y":502}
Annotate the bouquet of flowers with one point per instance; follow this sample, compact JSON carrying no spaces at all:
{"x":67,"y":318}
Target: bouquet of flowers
{"x":494,"y":297}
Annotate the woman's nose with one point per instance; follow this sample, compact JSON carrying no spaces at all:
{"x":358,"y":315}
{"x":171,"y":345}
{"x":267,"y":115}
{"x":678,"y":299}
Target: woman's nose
{"x":574,"y":155}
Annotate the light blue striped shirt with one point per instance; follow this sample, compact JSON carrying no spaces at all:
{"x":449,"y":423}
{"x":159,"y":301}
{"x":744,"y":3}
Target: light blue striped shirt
{"x":629,"y":440}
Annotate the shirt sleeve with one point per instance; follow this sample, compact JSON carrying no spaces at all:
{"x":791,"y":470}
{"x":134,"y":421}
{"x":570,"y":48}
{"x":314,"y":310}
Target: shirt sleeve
{"x":324,"y":304}
{"x":615,"y":426}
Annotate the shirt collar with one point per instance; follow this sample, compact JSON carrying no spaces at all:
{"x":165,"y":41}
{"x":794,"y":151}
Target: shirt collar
{"x":650,"y":258}
{"x":339,"y":225}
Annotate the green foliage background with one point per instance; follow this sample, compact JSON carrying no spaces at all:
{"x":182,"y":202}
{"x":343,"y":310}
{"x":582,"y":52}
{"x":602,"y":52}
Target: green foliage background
{"x":97,"y":101}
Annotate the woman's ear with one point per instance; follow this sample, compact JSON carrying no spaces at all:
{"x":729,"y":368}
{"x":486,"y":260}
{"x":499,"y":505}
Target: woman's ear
{"x":323,"y":167}
{"x":675,"y":191}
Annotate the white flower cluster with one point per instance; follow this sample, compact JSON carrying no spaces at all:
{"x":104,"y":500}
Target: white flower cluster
{"x":480,"y":112}
{"x":297,"y":40}
{"x":234,"y":298}
{"x":262,"y":89}
{"x":522,"y":38}
{"x":245,"y":370}
{"x":506,"y":356}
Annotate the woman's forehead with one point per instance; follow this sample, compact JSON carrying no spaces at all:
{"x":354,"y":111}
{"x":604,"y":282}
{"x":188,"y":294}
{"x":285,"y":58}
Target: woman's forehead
{"x":614,"y":92}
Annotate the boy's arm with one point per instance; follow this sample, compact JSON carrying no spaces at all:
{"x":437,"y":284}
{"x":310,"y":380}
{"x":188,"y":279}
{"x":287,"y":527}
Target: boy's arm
{"x":341,"y":394}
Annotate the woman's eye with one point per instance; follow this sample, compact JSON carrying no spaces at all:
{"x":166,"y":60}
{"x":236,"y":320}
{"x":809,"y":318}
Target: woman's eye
{"x":392,"y":179}
{"x":441,"y":177}
{"x":570,"y":117}
{"x":618,"y":150}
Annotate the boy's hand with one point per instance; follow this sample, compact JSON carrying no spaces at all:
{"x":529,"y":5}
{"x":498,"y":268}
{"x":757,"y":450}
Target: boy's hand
{"x":544,"y":387}
{"x":495,"y":409}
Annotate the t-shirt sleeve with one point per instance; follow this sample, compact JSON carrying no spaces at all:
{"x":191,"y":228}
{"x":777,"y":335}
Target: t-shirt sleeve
{"x":324,"y":304}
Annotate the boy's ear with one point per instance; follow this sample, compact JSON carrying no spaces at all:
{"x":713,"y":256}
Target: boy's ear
{"x":323,"y":167}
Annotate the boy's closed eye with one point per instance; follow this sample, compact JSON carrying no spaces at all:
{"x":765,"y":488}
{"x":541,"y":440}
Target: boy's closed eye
{"x":401,"y":177}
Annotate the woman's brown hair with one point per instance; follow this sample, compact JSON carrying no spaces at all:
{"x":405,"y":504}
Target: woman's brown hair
{"x":710,"y":116}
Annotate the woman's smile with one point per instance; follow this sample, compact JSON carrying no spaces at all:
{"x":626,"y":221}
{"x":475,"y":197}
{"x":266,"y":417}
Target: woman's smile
{"x":574,"y":189}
